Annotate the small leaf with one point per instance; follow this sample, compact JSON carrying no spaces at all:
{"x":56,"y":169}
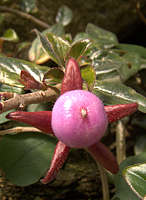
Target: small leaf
{"x":28,"y":6}
{"x":10,"y":35}
{"x":102,"y":38}
{"x":55,"y":47}
{"x":3,"y":118}
{"x":135,"y":176}
{"x":118,"y":93}
{"x":36,"y":53}
{"x":64,"y":15}
{"x":88,"y":75}
{"x":79,"y":48}
{"x":54,"y":75}
{"x":27,"y":157}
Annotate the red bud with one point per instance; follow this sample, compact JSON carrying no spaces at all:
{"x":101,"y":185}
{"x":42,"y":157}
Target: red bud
{"x":116,"y":112}
{"x":59,"y":157}
{"x":40,"y":120}
{"x":104,"y":156}
{"x":72,"y":78}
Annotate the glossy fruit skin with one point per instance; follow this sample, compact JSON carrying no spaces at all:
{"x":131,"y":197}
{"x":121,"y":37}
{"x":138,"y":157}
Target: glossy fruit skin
{"x":71,"y":127}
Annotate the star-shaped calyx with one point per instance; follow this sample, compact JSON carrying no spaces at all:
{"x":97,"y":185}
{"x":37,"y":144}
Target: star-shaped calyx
{"x":79,"y":120}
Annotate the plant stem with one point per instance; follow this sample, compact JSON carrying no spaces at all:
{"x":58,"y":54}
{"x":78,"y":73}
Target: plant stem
{"x":104,"y":181}
{"x":19,"y":130}
{"x":120,"y":142}
{"x":25,"y":15}
{"x":30,"y":98}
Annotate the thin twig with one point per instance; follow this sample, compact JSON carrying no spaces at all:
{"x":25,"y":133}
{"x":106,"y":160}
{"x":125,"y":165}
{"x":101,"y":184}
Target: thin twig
{"x":19,"y":130}
{"x":24,"y":15}
{"x":104,"y":181}
{"x":30,"y":98}
{"x":141,"y":15}
{"x":120,"y":142}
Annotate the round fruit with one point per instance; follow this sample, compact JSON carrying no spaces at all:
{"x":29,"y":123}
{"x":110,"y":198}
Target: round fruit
{"x":79,"y":119}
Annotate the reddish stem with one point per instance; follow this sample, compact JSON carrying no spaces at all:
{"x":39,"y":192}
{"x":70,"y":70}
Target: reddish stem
{"x":59,"y":157}
{"x":40,"y":120}
{"x":116,"y":112}
{"x":104,"y":156}
{"x":72,"y":77}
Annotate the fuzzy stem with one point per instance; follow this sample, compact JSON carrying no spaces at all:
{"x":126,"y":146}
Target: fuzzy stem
{"x":120,"y":142}
{"x":25,"y":15}
{"x":19,"y":130}
{"x":104,"y":181}
{"x":31,"y":98}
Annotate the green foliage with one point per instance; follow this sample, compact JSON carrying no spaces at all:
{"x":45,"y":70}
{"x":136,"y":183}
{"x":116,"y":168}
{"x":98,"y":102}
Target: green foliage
{"x":26,"y":157}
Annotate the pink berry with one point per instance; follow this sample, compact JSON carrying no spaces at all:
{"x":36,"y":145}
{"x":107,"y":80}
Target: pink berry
{"x":79,"y":119}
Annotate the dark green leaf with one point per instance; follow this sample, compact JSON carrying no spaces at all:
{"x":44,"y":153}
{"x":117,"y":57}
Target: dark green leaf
{"x":55,"y":46}
{"x":11,"y":68}
{"x":64,"y":15}
{"x":118,"y":93}
{"x":102,"y":38}
{"x":123,"y":191}
{"x":25,"y":157}
{"x":37,"y":53}
{"x":132,"y":48}
{"x":124,"y":66}
{"x":135,"y":176}
{"x":88,"y":75}
{"x":130,"y":65}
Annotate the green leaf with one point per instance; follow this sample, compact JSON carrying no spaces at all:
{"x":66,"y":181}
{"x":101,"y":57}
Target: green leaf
{"x":10,"y":35}
{"x":55,"y":46}
{"x":64,"y":15}
{"x":11,"y":69}
{"x":102,"y":38}
{"x":36,"y":53}
{"x":25,"y":157}
{"x":140,"y":145}
{"x":123,"y":191}
{"x":124,"y":66}
{"x":88,"y":75}
{"x":130,"y":65}
{"x":136,"y":178}
{"x":118,"y":93}
{"x":79,"y":48}
{"x":132,"y":48}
